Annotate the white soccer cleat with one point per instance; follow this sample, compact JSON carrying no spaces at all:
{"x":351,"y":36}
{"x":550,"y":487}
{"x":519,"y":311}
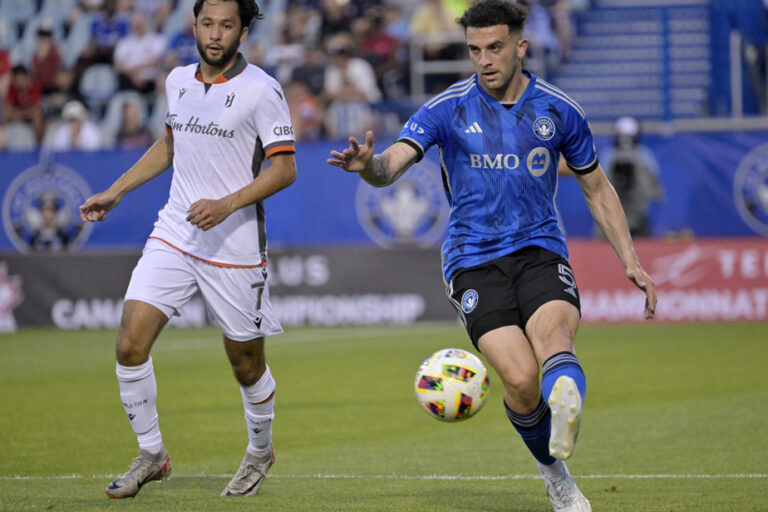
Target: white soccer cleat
{"x":565,"y":406}
{"x":562,"y":490}
{"x":145,"y":468}
{"x":248,"y":479}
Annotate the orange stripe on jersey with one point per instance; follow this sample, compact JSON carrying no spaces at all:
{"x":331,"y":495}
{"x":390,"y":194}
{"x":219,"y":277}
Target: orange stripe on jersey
{"x":280,"y":149}
{"x":214,"y":263}
{"x":219,"y":80}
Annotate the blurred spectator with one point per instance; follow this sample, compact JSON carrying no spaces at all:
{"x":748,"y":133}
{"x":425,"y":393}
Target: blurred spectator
{"x":46,"y":60}
{"x":5,"y":72}
{"x":92,"y":5}
{"x":76,"y":130}
{"x":285,"y":54}
{"x":256,"y":57}
{"x":375,"y":45}
{"x":182,"y":48}
{"x":433,"y":18}
{"x":396,"y":24}
{"x":337,"y":17}
{"x":306,"y":112}
{"x":350,"y":78}
{"x":137,"y":57}
{"x":157,"y":11}
{"x":106,"y":30}
{"x":312,"y":71}
{"x":457,"y":7}
{"x":23,"y":101}
{"x":633,"y":172}
{"x":543,"y":46}
{"x":132,"y":133}
{"x":560,"y":12}
{"x":350,"y":89}
{"x":63,"y":91}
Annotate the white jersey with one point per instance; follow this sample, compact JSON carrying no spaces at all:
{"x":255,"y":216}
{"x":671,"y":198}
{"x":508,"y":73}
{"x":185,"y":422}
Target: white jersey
{"x":223,"y":134}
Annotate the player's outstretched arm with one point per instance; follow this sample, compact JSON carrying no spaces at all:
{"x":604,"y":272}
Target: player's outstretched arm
{"x":609,"y":215}
{"x":154,"y":162}
{"x":207,"y":213}
{"x":378,"y":170}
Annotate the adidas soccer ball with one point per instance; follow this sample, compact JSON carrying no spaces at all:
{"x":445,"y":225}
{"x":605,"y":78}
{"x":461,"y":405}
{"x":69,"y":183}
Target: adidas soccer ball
{"x":452,"y":385}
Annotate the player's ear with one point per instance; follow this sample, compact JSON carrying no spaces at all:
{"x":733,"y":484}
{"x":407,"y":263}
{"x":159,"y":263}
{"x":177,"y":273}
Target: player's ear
{"x":522,"y":47}
{"x":243,"y":35}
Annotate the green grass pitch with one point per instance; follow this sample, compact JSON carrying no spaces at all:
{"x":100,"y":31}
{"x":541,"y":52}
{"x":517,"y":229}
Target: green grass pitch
{"x":676,"y":419}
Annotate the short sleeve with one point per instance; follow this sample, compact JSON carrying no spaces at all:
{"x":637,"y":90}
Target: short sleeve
{"x":273,"y":121}
{"x":423,"y":130}
{"x":578,"y":146}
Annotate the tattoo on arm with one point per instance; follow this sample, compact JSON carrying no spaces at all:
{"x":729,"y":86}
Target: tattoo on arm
{"x":380,"y":174}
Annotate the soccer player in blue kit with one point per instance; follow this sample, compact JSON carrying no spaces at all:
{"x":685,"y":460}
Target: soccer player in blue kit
{"x":501,"y":133}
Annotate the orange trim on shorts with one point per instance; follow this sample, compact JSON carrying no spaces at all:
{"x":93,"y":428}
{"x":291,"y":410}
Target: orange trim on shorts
{"x":270,"y":397}
{"x":280,"y":149}
{"x":214,"y":263}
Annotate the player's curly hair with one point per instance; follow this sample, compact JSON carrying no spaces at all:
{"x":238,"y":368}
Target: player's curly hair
{"x":248,"y":10}
{"x":487,"y":13}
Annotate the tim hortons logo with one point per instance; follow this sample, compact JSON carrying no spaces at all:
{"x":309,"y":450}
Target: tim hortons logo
{"x":194,"y":126}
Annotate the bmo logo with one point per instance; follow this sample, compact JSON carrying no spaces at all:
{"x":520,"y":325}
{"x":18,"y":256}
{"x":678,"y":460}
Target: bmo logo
{"x":497,"y":161}
{"x":282,"y":130}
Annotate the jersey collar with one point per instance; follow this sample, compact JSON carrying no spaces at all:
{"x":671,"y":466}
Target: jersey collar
{"x":493,"y":102}
{"x":240,"y":65}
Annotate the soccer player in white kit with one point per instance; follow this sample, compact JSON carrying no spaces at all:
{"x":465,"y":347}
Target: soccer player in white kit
{"x":225,"y":120}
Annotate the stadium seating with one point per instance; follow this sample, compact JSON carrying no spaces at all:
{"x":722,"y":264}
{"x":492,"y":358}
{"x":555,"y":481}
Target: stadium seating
{"x":19,"y":137}
{"x":648,"y":62}
{"x":98,"y":84}
{"x":113,"y":114}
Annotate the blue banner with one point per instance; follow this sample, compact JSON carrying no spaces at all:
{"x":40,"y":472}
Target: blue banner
{"x":715,"y":184}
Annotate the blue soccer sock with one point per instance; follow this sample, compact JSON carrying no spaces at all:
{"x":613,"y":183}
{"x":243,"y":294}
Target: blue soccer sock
{"x":534,"y":428}
{"x":562,"y":363}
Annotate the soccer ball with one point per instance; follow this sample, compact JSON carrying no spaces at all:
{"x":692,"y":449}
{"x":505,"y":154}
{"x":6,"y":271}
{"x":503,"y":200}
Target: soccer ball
{"x":452,"y":385}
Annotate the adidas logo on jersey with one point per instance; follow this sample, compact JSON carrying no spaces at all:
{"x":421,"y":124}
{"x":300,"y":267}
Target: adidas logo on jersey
{"x":474,"y":128}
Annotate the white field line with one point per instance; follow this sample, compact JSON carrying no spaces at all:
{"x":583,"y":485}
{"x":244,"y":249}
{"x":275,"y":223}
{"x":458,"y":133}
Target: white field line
{"x":663,"y":476}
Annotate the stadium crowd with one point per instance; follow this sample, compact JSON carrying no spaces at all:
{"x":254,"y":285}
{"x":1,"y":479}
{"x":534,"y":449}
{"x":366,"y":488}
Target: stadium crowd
{"x":90,"y":74}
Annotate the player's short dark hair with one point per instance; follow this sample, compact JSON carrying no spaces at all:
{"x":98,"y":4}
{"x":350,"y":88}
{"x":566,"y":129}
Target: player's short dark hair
{"x":247,"y":9}
{"x":488,"y":13}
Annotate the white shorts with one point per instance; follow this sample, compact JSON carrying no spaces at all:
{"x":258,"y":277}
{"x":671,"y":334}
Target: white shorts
{"x":237,"y":299}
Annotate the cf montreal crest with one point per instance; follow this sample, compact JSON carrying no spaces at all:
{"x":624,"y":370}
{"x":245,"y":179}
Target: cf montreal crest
{"x":413,"y":211}
{"x":544,"y":128}
{"x":40,"y":208}
{"x":750,"y":189}
{"x":469,"y":301}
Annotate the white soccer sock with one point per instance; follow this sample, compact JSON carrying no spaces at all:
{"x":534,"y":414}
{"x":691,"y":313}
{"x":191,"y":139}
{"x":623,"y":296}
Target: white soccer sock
{"x":259,"y":404}
{"x":552,"y":470}
{"x":138,"y":391}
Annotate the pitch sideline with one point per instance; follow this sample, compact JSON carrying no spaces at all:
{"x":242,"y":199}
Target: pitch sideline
{"x":663,"y":476}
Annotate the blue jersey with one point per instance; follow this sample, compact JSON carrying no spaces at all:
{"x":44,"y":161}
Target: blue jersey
{"x":500,"y":166}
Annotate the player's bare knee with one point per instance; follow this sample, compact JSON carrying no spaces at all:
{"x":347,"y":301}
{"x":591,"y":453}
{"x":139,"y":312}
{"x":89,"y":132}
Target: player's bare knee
{"x":246,"y":372}
{"x":129,"y":352}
